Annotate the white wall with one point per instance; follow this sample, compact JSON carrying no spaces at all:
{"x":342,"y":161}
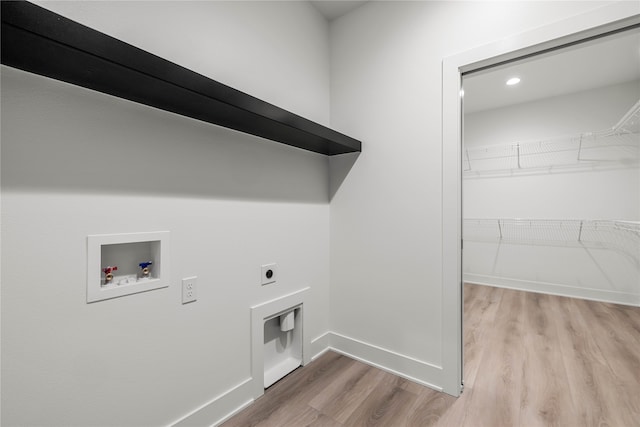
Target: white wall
{"x":591,"y":110}
{"x":76,"y":162}
{"x":386,"y":278}
{"x":607,"y":191}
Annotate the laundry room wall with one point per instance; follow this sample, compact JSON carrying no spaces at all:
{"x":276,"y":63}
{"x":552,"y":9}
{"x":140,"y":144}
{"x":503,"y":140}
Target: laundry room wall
{"x":387,"y":285}
{"x":76,"y":162}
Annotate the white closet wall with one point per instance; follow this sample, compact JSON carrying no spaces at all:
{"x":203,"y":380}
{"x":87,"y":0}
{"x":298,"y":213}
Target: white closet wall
{"x":572,"y":254}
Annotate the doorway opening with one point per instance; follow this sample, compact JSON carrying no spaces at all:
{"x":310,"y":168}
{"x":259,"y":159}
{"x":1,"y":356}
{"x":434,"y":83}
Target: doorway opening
{"x":551,"y":178}
{"x":551,"y":222}
{"x":604,"y":21}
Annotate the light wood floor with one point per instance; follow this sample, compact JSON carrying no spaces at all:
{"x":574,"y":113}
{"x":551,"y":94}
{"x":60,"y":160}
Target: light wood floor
{"x":530,"y":360}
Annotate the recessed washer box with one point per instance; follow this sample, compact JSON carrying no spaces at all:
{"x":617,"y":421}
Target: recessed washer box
{"x":124,"y":264}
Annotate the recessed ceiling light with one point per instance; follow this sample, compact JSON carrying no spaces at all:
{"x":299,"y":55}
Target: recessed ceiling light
{"x":513,"y":81}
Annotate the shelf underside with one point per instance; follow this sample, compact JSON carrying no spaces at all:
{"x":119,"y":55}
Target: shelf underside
{"x":42,"y":42}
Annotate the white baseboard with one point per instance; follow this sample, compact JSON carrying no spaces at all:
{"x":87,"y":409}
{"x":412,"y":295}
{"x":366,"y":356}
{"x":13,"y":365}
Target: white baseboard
{"x":239,"y":397}
{"x":554,"y":289}
{"x":230,"y":403}
{"x":404,"y":366}
{"x":320,"y":345}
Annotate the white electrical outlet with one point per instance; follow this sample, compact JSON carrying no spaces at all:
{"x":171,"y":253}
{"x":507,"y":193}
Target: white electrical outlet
{"x":189,"y":293}
{"x":269,"y":274}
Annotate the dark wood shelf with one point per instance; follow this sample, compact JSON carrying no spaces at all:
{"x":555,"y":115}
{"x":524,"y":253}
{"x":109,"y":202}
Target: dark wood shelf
{"x":42,"y":42}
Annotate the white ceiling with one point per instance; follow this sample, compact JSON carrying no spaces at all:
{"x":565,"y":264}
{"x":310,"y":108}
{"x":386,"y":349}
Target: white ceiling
{"x":602,"y":62}
{"x":598,"y":63}
{"x":332,"y":9}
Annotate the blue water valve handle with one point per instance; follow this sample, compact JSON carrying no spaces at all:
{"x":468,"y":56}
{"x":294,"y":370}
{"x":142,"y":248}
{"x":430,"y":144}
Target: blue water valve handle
{"x":145,"y":268}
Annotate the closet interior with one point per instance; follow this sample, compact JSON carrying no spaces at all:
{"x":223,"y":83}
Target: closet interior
{"x":551,"y":180}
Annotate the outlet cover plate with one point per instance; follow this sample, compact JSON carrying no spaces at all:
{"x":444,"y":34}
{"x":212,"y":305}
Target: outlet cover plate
{"x":269,"y":274}
{"x":189,"y":289}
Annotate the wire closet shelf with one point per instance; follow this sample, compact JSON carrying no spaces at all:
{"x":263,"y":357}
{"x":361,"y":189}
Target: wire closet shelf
{"x":621,"y":236}
{"x":617,"y":146}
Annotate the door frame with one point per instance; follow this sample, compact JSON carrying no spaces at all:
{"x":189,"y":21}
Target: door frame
{"x":611,"y":18}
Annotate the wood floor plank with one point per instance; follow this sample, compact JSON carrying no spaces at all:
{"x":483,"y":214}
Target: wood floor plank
{"x":480,"y":307}
{"x":530,"y":360}
{"x":345,"y":382}
{"x":494,"y":398}
{"x":299,"y":386}
{"x":433,"y":408}
{"x":385,"y":405}
{"x":324,"y":421}
{"x":627,"y":316}
{"x":360,"y":382}
{"x":584,"y":363}
{"x":619,"y":342}
{"x":544,"y":399}
{"x":617,"y":376}
{"x":625,"y":364}
{"x":301,"y":416}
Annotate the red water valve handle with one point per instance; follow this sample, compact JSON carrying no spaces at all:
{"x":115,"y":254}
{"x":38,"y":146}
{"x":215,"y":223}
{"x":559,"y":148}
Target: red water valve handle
{"x":108,"y":273}
{"x":109,"y":269}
